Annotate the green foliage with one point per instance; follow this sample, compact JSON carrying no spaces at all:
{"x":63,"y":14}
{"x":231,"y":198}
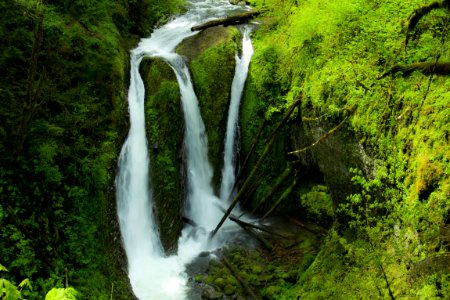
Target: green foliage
{"x":62,"y":111}
{"x":318,"y":201}
{"x":333,"y":54}
{"x":8,"y":291}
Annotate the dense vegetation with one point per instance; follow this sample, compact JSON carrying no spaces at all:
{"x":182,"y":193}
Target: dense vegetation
{"x":63,"y":119}
{"x":382,"y":117}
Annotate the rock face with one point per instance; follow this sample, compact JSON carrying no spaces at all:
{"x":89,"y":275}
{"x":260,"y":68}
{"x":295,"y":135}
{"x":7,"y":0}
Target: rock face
{"x":334,"y":157}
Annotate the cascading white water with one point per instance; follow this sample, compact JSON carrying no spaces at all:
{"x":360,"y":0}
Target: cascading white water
{"x":237,"y":87}
{"x":202,"y":205}
{"x":152,"y":275}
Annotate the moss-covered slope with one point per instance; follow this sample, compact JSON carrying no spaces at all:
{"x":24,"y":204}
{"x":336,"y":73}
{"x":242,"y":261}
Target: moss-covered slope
{"x":387,"y":164}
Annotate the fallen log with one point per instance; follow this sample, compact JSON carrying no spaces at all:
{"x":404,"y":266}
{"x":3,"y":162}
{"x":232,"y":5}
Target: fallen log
{"x":259,"y":237}
{"x":321,"y":232}
{"x":227,"y":21}
{"x":242,"y":223}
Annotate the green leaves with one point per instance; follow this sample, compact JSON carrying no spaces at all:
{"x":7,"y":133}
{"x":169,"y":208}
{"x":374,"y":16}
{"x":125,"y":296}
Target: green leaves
{"x":9,"y":291}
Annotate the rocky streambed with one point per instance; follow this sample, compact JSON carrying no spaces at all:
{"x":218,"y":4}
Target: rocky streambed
{"x":258,"y":263}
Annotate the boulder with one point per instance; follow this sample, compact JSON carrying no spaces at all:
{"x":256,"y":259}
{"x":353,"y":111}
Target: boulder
{"x":209,"y":293}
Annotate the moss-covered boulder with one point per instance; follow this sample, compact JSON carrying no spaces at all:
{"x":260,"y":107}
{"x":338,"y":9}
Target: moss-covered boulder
{"x":164,"y":123}
{"x":335,"y":156}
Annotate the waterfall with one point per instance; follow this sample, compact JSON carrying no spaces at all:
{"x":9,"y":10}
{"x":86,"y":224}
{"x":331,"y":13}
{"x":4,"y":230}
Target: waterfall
{"x":152,"y":274}
{"x":202,"y":205}
{"x":237,"y":87}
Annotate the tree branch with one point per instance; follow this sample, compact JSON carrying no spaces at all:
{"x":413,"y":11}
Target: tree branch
{"x":426,"y":68}
{"x":320,"y":140}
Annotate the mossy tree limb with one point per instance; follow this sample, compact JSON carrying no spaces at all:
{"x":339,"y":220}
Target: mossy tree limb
{"x":283,"y":196}
{"x":32,"y":104}
{"x":425,"y":67}
{"x":419,"y":13}
{"x":250,"y":152}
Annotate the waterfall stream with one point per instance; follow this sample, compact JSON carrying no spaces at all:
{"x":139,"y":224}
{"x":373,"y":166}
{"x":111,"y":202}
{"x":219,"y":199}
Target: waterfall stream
{"x":237,"y":87}
{"x":152,"y":274}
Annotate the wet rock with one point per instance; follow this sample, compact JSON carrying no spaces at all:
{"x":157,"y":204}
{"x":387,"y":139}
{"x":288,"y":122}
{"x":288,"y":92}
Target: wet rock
{"x":209,"y":293}
{"x":204,"y":254}
{"x":238,"y":2}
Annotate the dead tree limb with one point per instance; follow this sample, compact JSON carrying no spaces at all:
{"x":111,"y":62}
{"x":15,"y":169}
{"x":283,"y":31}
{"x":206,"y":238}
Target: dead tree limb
{"x":277,"y":185}
{"x":426,"y":68}
{"x":227,"y":21}
{"x":249,"y":179}
{"x":259,"y":237}
{"x":242,"y":223}
{"x":282,"y":197}
{"x":321,"y":139}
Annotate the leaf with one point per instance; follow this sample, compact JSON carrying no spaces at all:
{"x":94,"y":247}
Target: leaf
{"x":2,"y":268}
{"x":25,"y":283}
{"x":8,"y":290}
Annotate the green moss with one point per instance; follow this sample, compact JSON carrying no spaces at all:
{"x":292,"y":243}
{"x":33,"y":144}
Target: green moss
{"x":332,"y":55}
